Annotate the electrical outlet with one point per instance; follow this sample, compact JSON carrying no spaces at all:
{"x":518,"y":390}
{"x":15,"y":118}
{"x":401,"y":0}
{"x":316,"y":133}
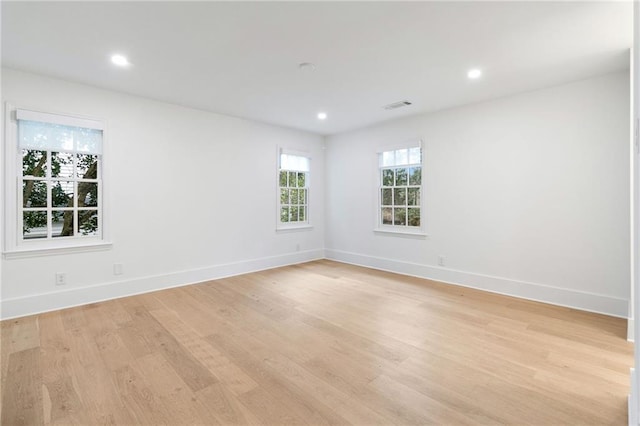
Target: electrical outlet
{"x":117,"y":269}
{"x":61,"y":278}
{"x":441,"y":260}
{"x":297,"y":247}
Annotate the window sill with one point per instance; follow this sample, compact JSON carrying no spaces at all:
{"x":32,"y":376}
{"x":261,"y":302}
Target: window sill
{"x":400,"y":233}
{"x":55,"y":251}
{"x":294,"y":228}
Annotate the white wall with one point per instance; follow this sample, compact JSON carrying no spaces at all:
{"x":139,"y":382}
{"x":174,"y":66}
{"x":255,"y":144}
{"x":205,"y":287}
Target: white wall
{"x":526,"y":195}
{"x":193,"y":197}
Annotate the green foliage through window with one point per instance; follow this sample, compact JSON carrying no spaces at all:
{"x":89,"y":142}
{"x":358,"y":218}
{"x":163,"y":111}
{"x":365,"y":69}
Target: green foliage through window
{"x":401,"y":187}
{"x":59,"y":190}
{"x":293,"y":196}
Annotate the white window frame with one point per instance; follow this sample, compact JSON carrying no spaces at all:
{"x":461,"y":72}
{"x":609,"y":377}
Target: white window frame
{"x":400,"y":230}
{"x":299,"y":225}
{"x":14,"y":246}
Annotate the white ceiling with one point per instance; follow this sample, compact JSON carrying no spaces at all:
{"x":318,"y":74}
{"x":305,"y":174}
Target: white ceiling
{"x":242,"y":59}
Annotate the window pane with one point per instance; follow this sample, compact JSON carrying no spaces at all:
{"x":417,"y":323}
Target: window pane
{"x":88,"y":140}
{"x":292,"y":179}
{"x":414,"y":217}
{"x":61,"y":164}
{"x":284,"y":214}
{"x":387,"y":218}
{"x":400,"y":186}
{"x":401,"y":177}
{"x":87,"y":166}
{"x":293,"y":196}
{"x":415,"y":176}
{"x":400,"y":196}
{"x":88,"y":222}
{"x":293,"y":214}
{"x":62,"y":223}
{"x":402,"y":157}
{"x":34,"y":225}
{"x":87,"y":194}
{"x":387,"y":158}
{"x":283,"y":178}
{"x":302,"y":213}
{"x":284,"y":196}
{"x":62,"y":194}
{"x":399,"y":216}
{"x":294,"y":162}
{"x":36,"y":134}
{"x":301,"y":180}
{"x":34,"y":193}
{"x":415,"y":156}
{"x":302,"y":193}
{"x":413,"y":196}
{"x":387,"y":177}
{"x":387,"y":197}
{"x":34,"y":163}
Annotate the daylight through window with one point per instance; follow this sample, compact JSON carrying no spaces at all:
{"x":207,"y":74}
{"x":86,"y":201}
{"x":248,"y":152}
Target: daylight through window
{"x":60,"y":181}
{"x":293,"y":197}
{"x":400,"y":190}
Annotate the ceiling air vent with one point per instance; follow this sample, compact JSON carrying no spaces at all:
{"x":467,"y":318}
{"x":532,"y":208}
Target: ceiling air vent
{"x":397,"y":105}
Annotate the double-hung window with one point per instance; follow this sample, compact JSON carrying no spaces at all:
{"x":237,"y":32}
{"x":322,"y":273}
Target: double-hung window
{"x":293,"y":190}
{"x":58,"y":171}
{"x":400,"y":190}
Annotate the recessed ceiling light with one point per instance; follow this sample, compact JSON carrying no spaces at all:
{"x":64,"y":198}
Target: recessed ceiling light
{"x":322,"y":116}
{"x":474,"y":73}
{"x":120,"y":60}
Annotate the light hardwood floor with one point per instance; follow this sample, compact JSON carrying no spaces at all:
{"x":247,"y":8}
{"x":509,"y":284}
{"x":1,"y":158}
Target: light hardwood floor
{"x":317,"y":343}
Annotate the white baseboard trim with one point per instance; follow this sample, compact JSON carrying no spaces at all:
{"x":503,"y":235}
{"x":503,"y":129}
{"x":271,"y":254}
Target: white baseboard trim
{"x":633,"y":399}
{"x":591,"y":302}
{"x":44,"y":302}
{"x":39,"y":303}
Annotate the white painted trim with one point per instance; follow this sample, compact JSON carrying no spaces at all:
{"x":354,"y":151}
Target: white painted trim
{"x":44,"y":302}
{"x":633,"y":399}
{"x":398,"y":232}
{"x":634,"y":396}
{"x":2,"y":186}
{"x":55,"y":251}
{"x":12,"y":194}
{"x":67,"y":120}
{"x":294,"y":228}
{"x":9,"y":199}
{"x":632,"y":191}
{"x":280,"y":227}
{"x":525,"y":290}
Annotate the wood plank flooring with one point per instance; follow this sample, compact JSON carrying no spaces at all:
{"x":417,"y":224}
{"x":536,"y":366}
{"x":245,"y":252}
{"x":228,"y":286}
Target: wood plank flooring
{"x":314,"y":344}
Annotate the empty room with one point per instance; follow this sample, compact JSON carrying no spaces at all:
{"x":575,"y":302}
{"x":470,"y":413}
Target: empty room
{"x":277,"y":213}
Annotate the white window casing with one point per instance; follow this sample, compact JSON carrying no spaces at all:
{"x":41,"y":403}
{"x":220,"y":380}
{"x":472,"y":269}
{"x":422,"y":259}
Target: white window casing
{"x":293,"y":190}
{"x":54,"y":195}
{"x":400,"y":190}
